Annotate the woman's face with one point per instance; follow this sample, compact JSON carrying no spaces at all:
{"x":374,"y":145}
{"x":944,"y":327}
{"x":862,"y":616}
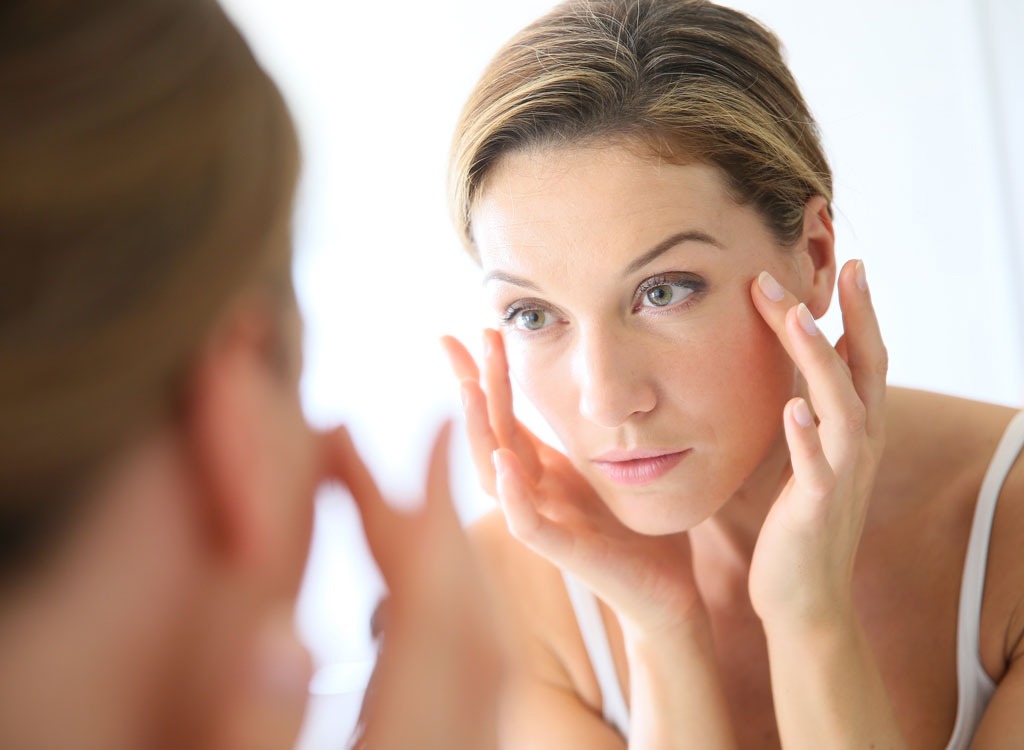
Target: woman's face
{"x":622,"y":285}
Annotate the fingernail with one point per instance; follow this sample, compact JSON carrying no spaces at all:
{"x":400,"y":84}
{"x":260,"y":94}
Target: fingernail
{"x":802,"y":414}
{"x":806,"y":320}
{"x":861,"y":276}
{"x":464,"y":395}
{"x":496,"y":461}
{"x":770,"y":287}
{"x":487,"y":344}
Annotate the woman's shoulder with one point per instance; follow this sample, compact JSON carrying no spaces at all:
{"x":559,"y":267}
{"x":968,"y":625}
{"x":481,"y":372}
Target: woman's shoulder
{"x":533,"y":602}
{"x":506,"y":559}
{"x":528,"y":586}
{"x":938,"y":445}
{"x":939,"y":450}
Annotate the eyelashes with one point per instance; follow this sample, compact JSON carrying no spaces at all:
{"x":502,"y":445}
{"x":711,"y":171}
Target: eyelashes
{"x":667,"y":290}
{"x":528,"y":315}
{"x":674,"y":292}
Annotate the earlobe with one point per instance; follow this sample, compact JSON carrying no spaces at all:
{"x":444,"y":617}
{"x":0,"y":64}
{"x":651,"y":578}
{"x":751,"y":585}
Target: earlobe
{"x":819,"y":239}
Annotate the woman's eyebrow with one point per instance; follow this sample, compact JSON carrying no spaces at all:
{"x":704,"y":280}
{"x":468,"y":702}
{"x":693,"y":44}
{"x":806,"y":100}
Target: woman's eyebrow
{"x":658,"y":250}
{"x":667,"y":244}
{"x":509,"y":279}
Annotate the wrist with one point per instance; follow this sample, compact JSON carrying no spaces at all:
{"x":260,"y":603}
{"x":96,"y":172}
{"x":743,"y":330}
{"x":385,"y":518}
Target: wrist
{"x":819,"y":631}
{"x":691,"y":625}
{"x":809,"y":615}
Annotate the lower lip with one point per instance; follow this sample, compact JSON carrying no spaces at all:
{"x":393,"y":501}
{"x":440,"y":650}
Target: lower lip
{"x":642,"y":470}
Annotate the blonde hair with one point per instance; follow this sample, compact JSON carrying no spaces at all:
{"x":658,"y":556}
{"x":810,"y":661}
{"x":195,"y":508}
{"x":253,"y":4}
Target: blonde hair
{"x":149,"y":166}
{"x":686,"y":79}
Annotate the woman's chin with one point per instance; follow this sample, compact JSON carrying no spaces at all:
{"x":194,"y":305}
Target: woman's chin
{"x":657,"y":511}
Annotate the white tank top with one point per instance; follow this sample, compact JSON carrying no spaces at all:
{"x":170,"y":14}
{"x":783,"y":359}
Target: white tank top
{"x":974,"y":686}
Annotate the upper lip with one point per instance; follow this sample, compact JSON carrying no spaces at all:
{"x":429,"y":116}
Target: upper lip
{"x":636,"y":454}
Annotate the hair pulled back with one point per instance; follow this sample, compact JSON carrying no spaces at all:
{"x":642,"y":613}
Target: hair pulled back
{"x":686,"y":79}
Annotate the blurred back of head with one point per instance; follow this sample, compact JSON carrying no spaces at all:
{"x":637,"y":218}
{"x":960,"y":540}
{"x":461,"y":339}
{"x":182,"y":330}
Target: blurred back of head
{"x":147,"y":166}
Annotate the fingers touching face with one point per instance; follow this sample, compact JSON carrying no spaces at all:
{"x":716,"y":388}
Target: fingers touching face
{"x":846,"y":383}
{"x":621,"y":288}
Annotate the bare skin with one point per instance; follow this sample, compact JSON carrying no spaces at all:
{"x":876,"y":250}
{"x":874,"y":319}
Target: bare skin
{"x":805,"y":575}
{"x":906,"y":594}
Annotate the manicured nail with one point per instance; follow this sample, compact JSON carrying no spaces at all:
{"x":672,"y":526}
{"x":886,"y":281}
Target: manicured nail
{"x":802,"y":414}
{"x":861,"y":276}
{"x":806,"y":320}
{"x":770,"y":287}
{"x":496,"y":461}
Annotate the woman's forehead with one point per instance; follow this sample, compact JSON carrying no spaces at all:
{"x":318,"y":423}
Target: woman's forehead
{"x":571,"y":200}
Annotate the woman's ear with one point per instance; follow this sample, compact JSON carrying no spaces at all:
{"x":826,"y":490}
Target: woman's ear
{"x":818,"y":256}
{"x":228,"y":417}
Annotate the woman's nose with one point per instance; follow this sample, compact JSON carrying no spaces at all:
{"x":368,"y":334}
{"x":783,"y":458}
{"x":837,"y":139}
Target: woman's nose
{"x":613,"y":381}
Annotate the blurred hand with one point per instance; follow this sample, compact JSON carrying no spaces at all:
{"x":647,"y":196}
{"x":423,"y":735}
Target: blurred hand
{"x":437,"y":676}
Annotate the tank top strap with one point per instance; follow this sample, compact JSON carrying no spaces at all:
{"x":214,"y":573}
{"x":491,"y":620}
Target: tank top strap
{"x":974,"y":686}
{"x":595,"y":639}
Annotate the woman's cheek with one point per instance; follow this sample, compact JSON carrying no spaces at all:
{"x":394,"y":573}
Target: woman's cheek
{"x":765,"y":374}
{"x":542,"y":379}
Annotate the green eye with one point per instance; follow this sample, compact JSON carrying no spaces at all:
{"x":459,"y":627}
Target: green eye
{"x":660,"y":295}
{"x":531,"y":320}
{"x":667,"y":292}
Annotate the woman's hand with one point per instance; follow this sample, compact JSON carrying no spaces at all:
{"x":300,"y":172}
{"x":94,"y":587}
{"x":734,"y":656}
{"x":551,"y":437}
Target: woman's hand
{"x":802,"y":568}
{"x":550,"y":507}
{"x":436,"y":679}
{"x":676,"y":695}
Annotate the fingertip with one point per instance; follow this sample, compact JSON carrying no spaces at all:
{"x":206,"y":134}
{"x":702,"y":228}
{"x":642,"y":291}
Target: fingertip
{"x":506,"y":464}
{"x":449,"y":346}
{"x":861,"y":276}
{"x":493,"y":342}
{"x":853,"y":279}
{"x":801,"y":413}
{"x":806,"y":320}
{"x":770,"y":288}
{"x":459,"y":359}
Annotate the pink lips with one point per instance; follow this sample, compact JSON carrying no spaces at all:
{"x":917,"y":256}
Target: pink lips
{"x":638,"y":467}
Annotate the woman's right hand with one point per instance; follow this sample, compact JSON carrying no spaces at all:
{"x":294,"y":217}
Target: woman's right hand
{"x":551,"y":508}
{"x":441,"y":661}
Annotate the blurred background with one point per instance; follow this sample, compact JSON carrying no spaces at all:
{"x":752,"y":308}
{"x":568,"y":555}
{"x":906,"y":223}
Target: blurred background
{"x":921,"y":105}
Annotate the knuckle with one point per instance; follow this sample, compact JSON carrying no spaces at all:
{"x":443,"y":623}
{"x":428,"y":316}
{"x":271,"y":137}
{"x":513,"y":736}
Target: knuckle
{"x":857,"y":419}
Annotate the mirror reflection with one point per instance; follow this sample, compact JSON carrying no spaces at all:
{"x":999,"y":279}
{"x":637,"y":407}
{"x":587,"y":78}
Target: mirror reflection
{"x":615,"y":373}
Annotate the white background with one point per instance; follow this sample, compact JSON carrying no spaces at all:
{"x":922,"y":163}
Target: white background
{"x":921,"y":103}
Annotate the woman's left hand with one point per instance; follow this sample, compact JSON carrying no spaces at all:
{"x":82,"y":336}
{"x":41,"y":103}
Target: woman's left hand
{"x":802,"y":568}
